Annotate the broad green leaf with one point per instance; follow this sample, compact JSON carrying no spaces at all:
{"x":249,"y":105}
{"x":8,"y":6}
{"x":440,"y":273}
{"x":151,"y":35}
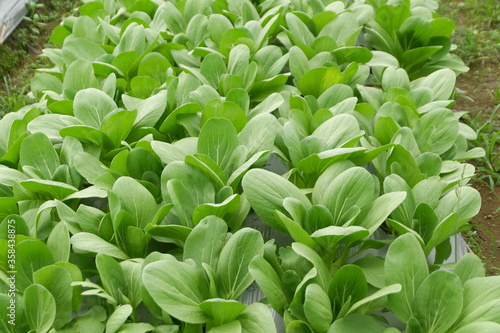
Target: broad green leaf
{"x":87,"y":242}
{"x":257,"y":318}
{"x":58,"y":281}
{"x":91,"y":106}
{"x":465,"y":201}
{"x":170,"y":124}
{"x":469,"y":267}
{"x":233,"y":326}
{"x":483,"y":327}
{"x":259,"y":133}
{"x":174,"y":19}
{"x":382,"y":293}
{"x":177,"y":151}
{"x":84,"y":133}
{"x":31,"y":255}
{"x":92,"y":169}
{"x":222,"y":210}
{"x":353,"y":187}
{"x":333,"y":236}
{"x":438,"y":301}
{"x":208,"y":167}
{"x":112,"y":276}
{"x":229,"y":110}
{"x":37,"y":151}
{"x":232,"y":273}
{"x":405,"y":264}
{"x":218,"y":139}
{"x":89,"y":322}
{"x":150,"y":110}
{"x":78,"y":76}
{"x":360,"y":323}
{"x":442,"y":82}
{"x":381,"y":208}
{"x":348,"y":286}
{"x":58,"y":242}
{"x":37,"y":297}
{"x":316,"y":81}
{"x":51,"y":189}
{"x":317,"y":308}
{"x":204,"y":244}
{"x":436,"y":131}
{"x":178,"y":288}
{"x":155,"y":66}
{"x":266,"y":191}
{"x":222,"y":311}
{"x":117,"y":126}
{"x":269,"y":282}
{"x":318,"y":263}
{"x":136,"y":200}
{"x":212,"y":68}
{"x":481,"y":300}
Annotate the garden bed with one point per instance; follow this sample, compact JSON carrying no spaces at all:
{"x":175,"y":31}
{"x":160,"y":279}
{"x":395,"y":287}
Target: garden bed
{"x":140,"y":192}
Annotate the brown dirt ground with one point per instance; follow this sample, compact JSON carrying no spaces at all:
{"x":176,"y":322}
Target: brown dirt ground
{"x":482,"y":85}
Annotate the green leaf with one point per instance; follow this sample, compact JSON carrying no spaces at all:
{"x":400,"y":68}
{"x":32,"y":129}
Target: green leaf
{"x":91,"y":106}
{"x":49,"y":188}
{"x":87,"y":242}
{"x":37,"y":297}
{"x":266,"y":191}
{"x":92,"y":169}
{"x":442,"y":83}
{"x":469,"y":267}
{"x":232,"y":273}
{"x":483,"y":327}
{"x":178,"y":288}
{"x":174,"y":19}
{"x":405,"y":264}
{"x":231,"y":327}
{"x":380,"y":210}
{"x":353,"y":187}
{"x":256,"y":318}
{"x":170,"y":124}
{"x":317,"y":308}
{"x":317,"y":80}
{"x":37,"y":151}
{"x":481,"y":300}
{"x":314,"y":258}
{"x":31,"y":255}
{"x":436,"y":138}
{"x":58,"y":281}
{"x":204,"y":244}
{"x":117,"y":127}
{"x":112,"y":276}
{"x":222,"y":210}
{"x":269,"y":282}
{"x":208,"y":167}
{"x":333,"y":235}
{"x":229,"y":110}
{"x":218,"y":139}
{"x":438,"y":301}
{"x":259,"y":133}
{"x":136,"y":200}
{"x":212,"y":68}
{"x":359,"y":323}
{"x":85,"y":134}
{"x":348,"y":286}
{"x":382,"y":293}
{"x":78,"y":76}
{"x":58,"y":242}
{"x":222,"y":311}
{"x":150,"y":110}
